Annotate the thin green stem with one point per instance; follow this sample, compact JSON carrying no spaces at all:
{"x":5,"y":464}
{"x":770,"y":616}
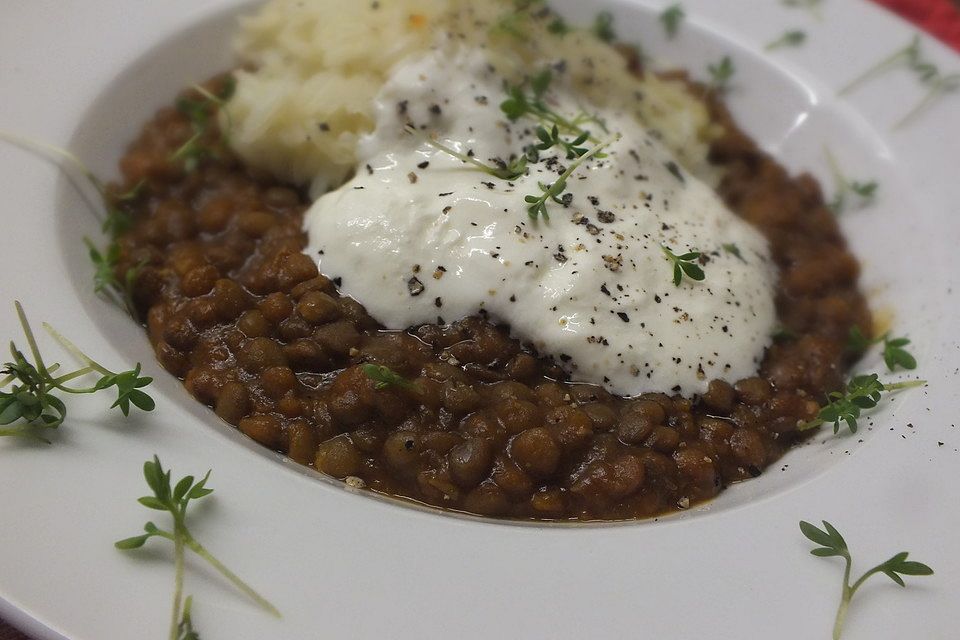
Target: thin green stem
{"x":554,"y":189}
{"x":863,"y":578}
{"x":838,"y":177}
{"x":164,"y":534}
{"x":941,"y":86}
{"x":75,"y":351}
{"x":221,"y":106}
{"x":62,"y":154}
{"x":25,"y":431}
{"x":586,"y":117}
{"x":67,"y":377}
{"x":201,"y":551}
{"x":28,"y":332}
{"x":909,"y":384}
{"x":881,"y":67}
{"x":186,"y":147}
{"x":562,"y":123}
{"x":845,"y":596}
{"x":456,"y":154}
{"x":178,"y":540}
{"x":123,"y":302}
{"x":11,"y":378}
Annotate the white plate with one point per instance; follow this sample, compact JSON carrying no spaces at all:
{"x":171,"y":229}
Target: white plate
{"x":341,"y":565}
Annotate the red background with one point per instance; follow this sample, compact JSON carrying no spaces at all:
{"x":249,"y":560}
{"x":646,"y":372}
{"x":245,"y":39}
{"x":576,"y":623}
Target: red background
{"x":940,"y":17}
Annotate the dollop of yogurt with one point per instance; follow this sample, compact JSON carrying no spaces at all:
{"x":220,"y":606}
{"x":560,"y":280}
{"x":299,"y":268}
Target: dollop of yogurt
{"x":419,"y":236}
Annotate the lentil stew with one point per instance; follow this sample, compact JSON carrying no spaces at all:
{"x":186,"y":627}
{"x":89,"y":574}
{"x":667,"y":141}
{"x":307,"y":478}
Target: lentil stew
{"x":487,"y":426}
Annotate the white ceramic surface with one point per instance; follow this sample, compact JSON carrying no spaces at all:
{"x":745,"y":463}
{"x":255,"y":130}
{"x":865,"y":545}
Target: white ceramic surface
{"x":339,"y":565}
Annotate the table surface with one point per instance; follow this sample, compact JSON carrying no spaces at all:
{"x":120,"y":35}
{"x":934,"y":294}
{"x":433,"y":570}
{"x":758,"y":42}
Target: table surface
{"x":939,"y":17}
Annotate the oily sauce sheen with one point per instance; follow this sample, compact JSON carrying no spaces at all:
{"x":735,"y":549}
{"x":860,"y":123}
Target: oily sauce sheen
{"x":237,"y":311}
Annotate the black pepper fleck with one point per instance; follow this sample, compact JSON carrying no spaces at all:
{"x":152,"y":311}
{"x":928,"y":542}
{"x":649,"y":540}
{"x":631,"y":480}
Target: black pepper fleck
{"x":414,"y":286}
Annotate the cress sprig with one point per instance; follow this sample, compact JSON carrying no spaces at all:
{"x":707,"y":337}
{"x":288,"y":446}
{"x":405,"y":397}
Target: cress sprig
{"x":720,"y":74}
{"x":685,"y":264}
{"x":174,"y":499}
{"x":733,"y":250}
{"x":507,"y":171}
{"x":557,"y":190}
{"x":521,"y":102}
{"x":863,"y":191}
{"x":514,"y":23}
{"x":185,"y":629}
{"x":114,"y":220}
{"x":925,"y":71}
{"x":200,"y":112}
{"x":791,"y":38}
{"x":812,"y":6}
{"x":894,"y":353}
{"x":106,"y":282}
{"x":832,"y":544}
{"x":558,"y":26}
{"x":861,"y":392}
{"x":603,"y":27}
{"x":32,"y":404}
{"x":671,"y":17}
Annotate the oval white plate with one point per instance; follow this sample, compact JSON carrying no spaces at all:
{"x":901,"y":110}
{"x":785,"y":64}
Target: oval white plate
{"x":339,"y":565}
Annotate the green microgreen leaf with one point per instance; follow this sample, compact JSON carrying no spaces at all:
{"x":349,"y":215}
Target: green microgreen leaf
{"x":132,"y":543}
{"x":894,"y":353}
{"x":791,"y":38}
{"x":675,"y":170}
{"x":151,"y":502}
{"x":540,"y":82}
{"x":109,"y":280}
{"x":857,"y":342}
{"x":183,"y":487}
{"x":671,"y":17}
{"x":684,"y":265}
{"x":720,"y":74}
{"x":733,"y":250}
{"x":861,"y":392}
{"x":603,"y":27}
{"x":832,"y":544}
{"x":829,"y":537}
{"x":558,"y":26}
{"x":385,"y":377}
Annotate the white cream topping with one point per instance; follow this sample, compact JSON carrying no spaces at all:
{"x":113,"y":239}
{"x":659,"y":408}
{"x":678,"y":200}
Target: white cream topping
{"x":418,"y":236}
